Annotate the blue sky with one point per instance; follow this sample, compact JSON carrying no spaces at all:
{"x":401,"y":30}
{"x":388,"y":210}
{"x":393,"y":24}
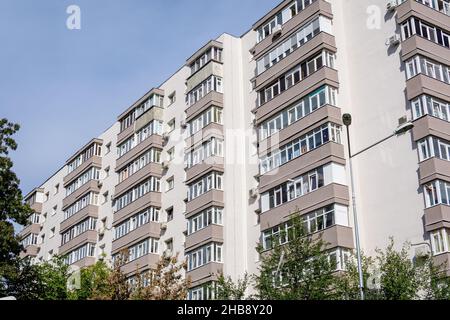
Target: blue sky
{"x":67,"y":86}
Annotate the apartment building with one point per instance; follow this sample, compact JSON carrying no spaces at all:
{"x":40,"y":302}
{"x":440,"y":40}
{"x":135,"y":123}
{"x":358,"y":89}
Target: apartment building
{"x":249,"y":131}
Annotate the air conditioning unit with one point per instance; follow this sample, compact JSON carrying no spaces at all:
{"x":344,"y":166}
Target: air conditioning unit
{"x":391,"y":5}
{"x":253,"y":193}
{"x":163,"y":226}
{"x":165,"y":165}
{"x":101,"y":232}
{"x":394,"y":40}
{"x":277,"y":30}
{"x":166,"y":137}
{"x":183,"y":124}
{"x":404,"y":125}
{"x":99,"y":184}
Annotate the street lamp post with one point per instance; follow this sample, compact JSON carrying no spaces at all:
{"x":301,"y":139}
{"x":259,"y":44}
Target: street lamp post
{"x":347,"y":119}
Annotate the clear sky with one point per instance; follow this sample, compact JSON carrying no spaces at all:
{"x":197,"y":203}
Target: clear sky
{"x":67,"y":86}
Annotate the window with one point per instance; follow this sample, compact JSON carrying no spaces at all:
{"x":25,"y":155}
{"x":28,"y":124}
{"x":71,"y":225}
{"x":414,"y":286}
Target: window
{"x":170,"y":184}
{"x":87,"y":250}
{"x":171,"y":125}
{"x":210,"y":216}
{"x":47,"y":196}
{"x":280,"y":18}
{"x":172,"y":98}
{"x":204,"y":255}
{"x":440,"y":241}
{"x":171,"y":154}
{"x":30,"y":240}
{"x":329,"y":132}
{"x":213,"y":83}
{"x":295,"y":75}
{"x":151,"y":156}
{"x":108,"y":147}
{"x":52,"y":232}
{"x":85,"y":177}
{"x":57,"y":188}
{"x":150,"y":214}
{"x":213,"y":53}
{"x":155,"y":127}
{"x":204,"y":292}
{"x":434,"y":147}
{"x":94,"y":149}
{"x":88,"y":224}
{"x":169,"y":213}
{"x":89,"y":199}
{"x":169,"y":245}
{"x":105,"y":197}
{"x":155,"y":100}
{"x":213,"y":147}
{"x":153,"y":184}
{"x":205,"y":184}
{"x":415,"y":26}
{"x":437,"y":193}
{"x":107,"y":170}
{"x":148,"y":246}
{"x":54,"y":210}
{"x":427,"y":105}
{"x":298,"y":39}
{"x":421,"y":65}
{"x":212,"y":115}
{"x":302,"y":185}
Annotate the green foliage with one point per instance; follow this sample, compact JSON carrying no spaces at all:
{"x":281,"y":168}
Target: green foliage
{"x":54,"y":276}
{"x":12,"y":208}
{"x":226,"y":289}
{"x":306,"y":272}
{"x":93,"y":282}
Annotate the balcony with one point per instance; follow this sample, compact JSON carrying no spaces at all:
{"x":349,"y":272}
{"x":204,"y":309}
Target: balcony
{"x":314,"y":46}
{"x":437,"y":217}
{"x":431,"y":126}
{"x":85,"y":262}
{"x":92,"y":185}
{"x":303,"y":126}
{"x":319,"y":7}
{"x":422,"y":84}
{"x":329,"y":152}
{"x":417,"y":45}
{"x":212,"y":233}
{"x":151,"y":199}
{"x":89,"y":211}
{"x":94,"y":161}
{"x":411,"y":8}
{"x":332,"y":193}
{"x":211,"y":68}
{"x":206,"y":273}
{"x":154,"y":141}
{"x":36,"y":207}
{"x":89,"y":236}
{"x":152,"y":169}
{"x":444,"y":261}
{"x":34,"y":228}
{"x":209,"y":199}
{"x":211,"y":99}
{"x":30,"y":251}
{"x":211,"y":130}
{"x":208,"y":165}
{"x":324,"y":76}
{"x":151,"y":229}
{"x":434,"y":169}
{"x":142,"y":264}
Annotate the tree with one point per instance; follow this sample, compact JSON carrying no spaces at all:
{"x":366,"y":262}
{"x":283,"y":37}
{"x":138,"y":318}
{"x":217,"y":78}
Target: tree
{"x":300,"y":269}
{"x":165,"y":282}
{"x":54,"y":276}
{"x":12,"y":210}
{"x":93,"y":282}
{"x":23,"y":280}
{"x":228,"y":290}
